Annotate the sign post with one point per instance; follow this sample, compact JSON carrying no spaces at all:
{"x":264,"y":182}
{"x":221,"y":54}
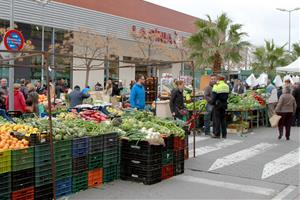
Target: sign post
{"x":13,"y":41}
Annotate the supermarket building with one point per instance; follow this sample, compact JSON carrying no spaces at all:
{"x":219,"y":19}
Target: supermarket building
{"x":48,"y":25}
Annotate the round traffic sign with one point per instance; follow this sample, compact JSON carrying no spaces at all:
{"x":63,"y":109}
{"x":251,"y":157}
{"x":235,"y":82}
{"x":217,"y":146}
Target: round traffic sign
{"x":13,"y":40}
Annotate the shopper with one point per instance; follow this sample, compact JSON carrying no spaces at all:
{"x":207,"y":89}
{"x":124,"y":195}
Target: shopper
{"x":177,"y":100}
{"x":296,"y":94}
{"x":109,"y":88}
{"x":32,"y":100}
{"x":272,"y":98}
{"x":137,"y":94}
{"x":238,"y":87}
{"x":39,"y":88}
{"x":59,"y":88}
{"x":209,"y":106}
{"x":98,"y":87}
{"x":4,"y":86}
{"x":24,"y":88}
{"x":219,"y":100}
{"x":286,"y":107}
{"x":76,"y":96}
{"x":116,"y":90}
{"x":86,"y":89}
{"x":2,"y":100}
{"x":51,"y":89}
{"x":19,"y":100}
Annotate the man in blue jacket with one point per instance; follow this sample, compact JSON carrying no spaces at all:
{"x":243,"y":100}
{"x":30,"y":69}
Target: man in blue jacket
{"x":137,"y":94}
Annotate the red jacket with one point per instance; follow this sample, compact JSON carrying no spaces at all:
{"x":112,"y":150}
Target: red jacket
{"x":19,"y":102}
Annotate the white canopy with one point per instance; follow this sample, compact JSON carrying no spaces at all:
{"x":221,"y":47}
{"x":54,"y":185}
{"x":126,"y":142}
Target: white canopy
{"x":293,"y":67}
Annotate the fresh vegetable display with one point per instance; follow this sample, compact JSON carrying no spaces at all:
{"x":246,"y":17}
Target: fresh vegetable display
{"x":9,"y":142}
{"x":199,"y":105}
{"x":93,"y":115}
{"x":246,"y":102}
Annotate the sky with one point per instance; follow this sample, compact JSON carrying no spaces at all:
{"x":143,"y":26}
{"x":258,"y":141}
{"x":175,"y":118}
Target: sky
{"x":260,"y":18}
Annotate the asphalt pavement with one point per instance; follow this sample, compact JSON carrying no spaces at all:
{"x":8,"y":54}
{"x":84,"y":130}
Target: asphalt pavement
{"x":252,"y":166}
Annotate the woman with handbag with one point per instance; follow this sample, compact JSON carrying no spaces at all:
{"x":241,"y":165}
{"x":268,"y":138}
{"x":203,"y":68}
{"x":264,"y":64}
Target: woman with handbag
{"x":286,"y":108}
{"x":177,"y":101}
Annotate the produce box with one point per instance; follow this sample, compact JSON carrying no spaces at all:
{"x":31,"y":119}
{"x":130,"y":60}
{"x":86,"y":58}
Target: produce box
{"x":5,"y":161}
{"x":110,"y":157}
{"x":44,"y":192}
{"x":96,"y":144}
{"x":178,"y":156}
{"x":24,"y":194}
{"x":5,"y":185}
{"x":80,"y":147}
{"x":80,"y":182}
{"x":62,"y":150}
{"x":80,"y":165}
{"x":63,"y":168}
{"x":178,"y":168}
{"x":22,"y":159}
{"x":95,"y":161}
{"x":43,"y":175}
{"x":95,"y":177}
{"x":169,"y":143}
{"x":110,"y":173}
{"x":167,"y":171}
{"x":22,"y":179}
{"x":167,"y":157}
{"x":42,"y":155}
{"x":63,"y":187}
{"x":110,"y":141}
{"x":179,"y":143}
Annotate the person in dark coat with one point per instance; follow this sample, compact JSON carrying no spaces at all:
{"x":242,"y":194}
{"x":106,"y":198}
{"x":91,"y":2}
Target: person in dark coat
{"x":238,"y":87}
{"x":116,"y":90}
{"x":177,"y":100}
{"x":32,"y":99}
{"x":296,"y":94}
{"x":76,"y":96}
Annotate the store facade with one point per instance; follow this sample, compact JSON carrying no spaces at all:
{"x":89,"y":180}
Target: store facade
{"x":48,"y":26}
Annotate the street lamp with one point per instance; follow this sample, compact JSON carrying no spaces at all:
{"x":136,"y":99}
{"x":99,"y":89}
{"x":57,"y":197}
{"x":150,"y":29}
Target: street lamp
{"x":289,"y":11}
{"x":43,"y":3}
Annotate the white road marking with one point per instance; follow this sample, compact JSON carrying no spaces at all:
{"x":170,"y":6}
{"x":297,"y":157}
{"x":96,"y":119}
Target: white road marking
{"x":198,"y":139}
{"x":241,"y":155}
{"x":282,"y":163}
{"x":214,"y":147}
{"x":227,"y":185}
{"x":284,"y":193}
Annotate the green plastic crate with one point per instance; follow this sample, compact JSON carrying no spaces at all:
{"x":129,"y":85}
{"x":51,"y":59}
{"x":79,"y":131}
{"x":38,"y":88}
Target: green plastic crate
{"x":167,"y":157}
{"x":5,"y":196}
{"x":5,"y":161}
{"x":63,"y":149}
{"x":22,"y":159}
{"x":42,"y":155}
{"x":110,"y":158}
{"x":80,"y":182}
{"x":43,"y":175}
{"x":95,"y":161}
{"x":110,"y":173}
{"x":63,"y":168}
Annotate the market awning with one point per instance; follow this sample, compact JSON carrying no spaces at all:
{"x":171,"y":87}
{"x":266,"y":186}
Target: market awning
{"x":293,"y":67}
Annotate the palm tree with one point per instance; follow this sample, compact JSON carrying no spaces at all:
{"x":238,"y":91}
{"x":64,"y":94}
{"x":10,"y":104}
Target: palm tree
{"x":269,"y":57}
{"x":217,"y":42}
{"x":296,"y":51}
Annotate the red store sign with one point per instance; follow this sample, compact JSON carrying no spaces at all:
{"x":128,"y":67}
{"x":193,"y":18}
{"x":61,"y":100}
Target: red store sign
{"x":161,"y":36}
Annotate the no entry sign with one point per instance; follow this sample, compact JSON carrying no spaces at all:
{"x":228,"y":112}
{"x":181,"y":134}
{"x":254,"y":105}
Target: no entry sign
{"x":13,"y":40}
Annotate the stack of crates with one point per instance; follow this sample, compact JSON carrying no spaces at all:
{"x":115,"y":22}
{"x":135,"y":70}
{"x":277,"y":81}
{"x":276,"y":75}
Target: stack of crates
{"x":95,"y":161}
{"x":80,"y":149}
{"x":167,"y":158}
{"x":63,"y":166}
{"x":22,"y":175}
{"x":5,"y":174}
{"x":111,"y":157}
{"x":141,"y":162}
{"x":178,"y":155}
{"x":43,"y":172}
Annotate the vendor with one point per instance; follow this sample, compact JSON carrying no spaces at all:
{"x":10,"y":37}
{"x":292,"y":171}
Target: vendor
{"x":177,"y":100}
{"x":137,"y":94}
{"x":77,"y":97}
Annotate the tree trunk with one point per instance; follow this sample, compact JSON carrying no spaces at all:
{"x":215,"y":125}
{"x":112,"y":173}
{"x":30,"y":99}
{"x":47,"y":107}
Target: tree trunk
{"x":217,"y":64}
{"x":87,"y":76}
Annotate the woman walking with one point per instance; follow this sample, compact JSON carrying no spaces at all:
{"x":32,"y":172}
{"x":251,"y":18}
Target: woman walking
{"x":32,"y":99}
{"x":177,"y":100}
{"x":286,"y":108}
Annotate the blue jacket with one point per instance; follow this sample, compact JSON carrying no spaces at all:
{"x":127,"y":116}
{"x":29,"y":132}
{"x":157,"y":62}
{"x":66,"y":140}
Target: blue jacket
{"x":138,"y":96}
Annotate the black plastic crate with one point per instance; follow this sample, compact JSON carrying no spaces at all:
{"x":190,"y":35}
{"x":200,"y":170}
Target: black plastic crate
{"x":5,"y":184}
{"x":148,"y":177}
{"x":178,"y":168}
{"x":141,"y":163}
{"x":110,"y":158}
{"x":178,"y":156}
{"x":169,"y":141}
{"x":111,"y":173}
{"x":80,"y":164}
{"x":22,"y":179}
{"x":140,"y":148}
{"x":43,"y":175}
{"x":63,"y":168}
{"x":96,"y":144}
{"x":80,"y":182}
{"x":95,"y":161}
{"x":44,"y":192}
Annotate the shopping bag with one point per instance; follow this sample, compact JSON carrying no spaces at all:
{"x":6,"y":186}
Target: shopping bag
{"x":274,"y":120}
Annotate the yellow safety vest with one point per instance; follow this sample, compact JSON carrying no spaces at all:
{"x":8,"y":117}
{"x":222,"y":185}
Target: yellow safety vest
{"x":221,"y":87}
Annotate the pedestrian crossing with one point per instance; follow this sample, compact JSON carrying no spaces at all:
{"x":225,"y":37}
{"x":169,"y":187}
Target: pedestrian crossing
{"x":207,"y":148}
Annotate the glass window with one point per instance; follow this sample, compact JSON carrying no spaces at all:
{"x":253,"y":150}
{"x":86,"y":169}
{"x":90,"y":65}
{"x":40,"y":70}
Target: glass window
{"x":4,"y":24}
